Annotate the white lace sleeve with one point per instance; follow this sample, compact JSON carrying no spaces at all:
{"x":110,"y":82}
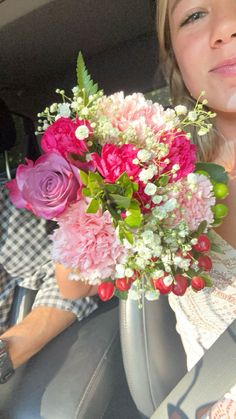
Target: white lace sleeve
{"x":202,"y":317}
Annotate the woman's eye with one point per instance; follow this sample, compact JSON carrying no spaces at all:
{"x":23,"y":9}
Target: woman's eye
{"x":192,"y":18}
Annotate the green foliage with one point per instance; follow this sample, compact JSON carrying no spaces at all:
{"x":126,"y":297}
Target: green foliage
{"x":93,"y":206}
{"x":115,"y":198}
{"x":134,"y":219}
{"x":121,"y":202}
{"x":84,"y":80}
{"x":122,"y":295}
{"x":163,"y":181}
{"x":124,"y":232}
{"x":215,"y":171}
{"x":207,"y":279}
{"x":83,"y":177}
{"x":201,"y":229}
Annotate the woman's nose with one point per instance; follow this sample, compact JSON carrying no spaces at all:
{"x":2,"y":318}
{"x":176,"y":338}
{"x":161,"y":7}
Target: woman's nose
{"x":224,"y":27}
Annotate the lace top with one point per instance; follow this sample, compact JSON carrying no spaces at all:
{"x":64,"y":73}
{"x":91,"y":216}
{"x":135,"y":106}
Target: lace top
{"x":202,"y":317}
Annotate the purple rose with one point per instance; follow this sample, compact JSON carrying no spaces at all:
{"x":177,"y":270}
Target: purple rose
{"x":45,"y":187}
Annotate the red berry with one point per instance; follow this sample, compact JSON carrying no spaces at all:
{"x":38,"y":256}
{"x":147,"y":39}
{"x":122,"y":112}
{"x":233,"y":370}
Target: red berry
{"x":161,"y":286}
{"x":205,"y":262}
{"x":123,"y":284}
{"x":180,"y":285}
{"x":106,"y":290}
{"x":203,"y":244}
{"x":197,"y":283}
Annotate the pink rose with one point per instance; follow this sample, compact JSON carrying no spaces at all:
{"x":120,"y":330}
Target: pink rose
{"x":45,"y":187}
{"x":87,"y":242}
{"x":181,"y":152}
{"x":61,"y":137}
{"x":116,"y":160}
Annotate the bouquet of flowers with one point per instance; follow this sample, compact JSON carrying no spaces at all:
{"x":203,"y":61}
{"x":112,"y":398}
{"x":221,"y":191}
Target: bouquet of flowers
{"x":119,"y":175}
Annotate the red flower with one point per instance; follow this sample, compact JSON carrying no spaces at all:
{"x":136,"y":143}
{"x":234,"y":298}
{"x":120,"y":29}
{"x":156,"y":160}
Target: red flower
{"x":116,"y":160}
{"x":181,"y":152}
{"x":60,"y":137}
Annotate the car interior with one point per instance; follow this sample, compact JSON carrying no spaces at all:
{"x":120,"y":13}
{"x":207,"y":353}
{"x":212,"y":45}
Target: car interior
{"x":120,"y":362}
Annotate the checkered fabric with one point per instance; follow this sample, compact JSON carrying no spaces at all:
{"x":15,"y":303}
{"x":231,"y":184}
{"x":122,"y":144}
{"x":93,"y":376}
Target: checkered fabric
{"x":25,"y":251}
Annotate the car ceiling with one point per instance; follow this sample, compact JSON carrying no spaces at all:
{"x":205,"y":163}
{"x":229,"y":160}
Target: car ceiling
{"x":40,"y":40}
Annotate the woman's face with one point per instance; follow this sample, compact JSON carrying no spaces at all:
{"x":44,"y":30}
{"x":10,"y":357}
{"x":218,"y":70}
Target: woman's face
{"x":203,"y":34}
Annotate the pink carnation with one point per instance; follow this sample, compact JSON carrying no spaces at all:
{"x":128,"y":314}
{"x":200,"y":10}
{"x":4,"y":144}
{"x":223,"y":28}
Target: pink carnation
{"x":181,"y":152}
{"x":60,"y":137}
{"x":194,"y":203}
{"x":116,"y":160}
{"x":87,"y":242}
{"x":131,"y":112}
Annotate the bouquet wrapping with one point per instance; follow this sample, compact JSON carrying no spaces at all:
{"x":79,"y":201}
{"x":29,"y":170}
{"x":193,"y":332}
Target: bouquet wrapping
{"x":120,"y":176}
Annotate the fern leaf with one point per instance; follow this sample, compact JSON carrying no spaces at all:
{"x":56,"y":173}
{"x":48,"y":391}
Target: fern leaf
{"x":84,"y":79}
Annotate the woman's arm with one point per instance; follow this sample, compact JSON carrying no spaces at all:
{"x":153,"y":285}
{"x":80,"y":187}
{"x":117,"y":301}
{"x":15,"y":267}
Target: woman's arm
{"x":72,"y":289}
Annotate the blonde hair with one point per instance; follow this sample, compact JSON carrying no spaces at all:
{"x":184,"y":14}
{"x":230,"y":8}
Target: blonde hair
{"x":207,"y":144}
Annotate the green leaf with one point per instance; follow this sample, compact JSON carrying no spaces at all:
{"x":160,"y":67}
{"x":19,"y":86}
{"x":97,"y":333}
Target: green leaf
{"x":84,"y":79}
{"x":201,"y":229}
{"x":95,"y":182}
{"x":122,"y":295}
{"x":93,"y":206}
{"x":111,"y":188}
{"x":120,"y":201}
{"x":163,"y":181}
{"x":207,"y":279}
{"x":83,"y":177}
{"x":215,"y":171}
{"x":130,"y":189}
{"x":128,"y":235}
{"x":86,"y":192}
{"x":134,"y":219}
{"x":123,"y":179}
{"x":217,"y":249}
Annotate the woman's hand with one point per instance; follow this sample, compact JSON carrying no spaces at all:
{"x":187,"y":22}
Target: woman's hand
{"x":72,"y":289}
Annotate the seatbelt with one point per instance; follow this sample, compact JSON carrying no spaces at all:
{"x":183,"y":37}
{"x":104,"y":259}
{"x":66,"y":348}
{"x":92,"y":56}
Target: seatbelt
{"x":207,"y":382}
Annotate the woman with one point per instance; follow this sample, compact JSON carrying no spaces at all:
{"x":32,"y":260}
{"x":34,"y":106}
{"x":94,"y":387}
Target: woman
{"x":198,"y":47}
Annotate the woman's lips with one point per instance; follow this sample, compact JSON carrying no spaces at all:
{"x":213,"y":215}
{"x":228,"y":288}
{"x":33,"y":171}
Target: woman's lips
{"x":225,"y":68}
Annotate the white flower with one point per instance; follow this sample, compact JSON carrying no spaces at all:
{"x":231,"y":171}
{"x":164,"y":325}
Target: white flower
{"x":64,"y":110}
{"x":75,"y":90}
{"x":203,"y":131}
{"x":159,"y":273}
{"x":133,"y":293}
{"x":157,"y":251}
{"x":148,"y":236}
{"x":192,"y":116}
{"x":53,"y":108}
{"x":147,"y":174}
{"x":170,"y":205}
{"x":159,"y":212}
{"x":181,"y":110}
{"x":157,"y":199}
{"x":82,"y":132}
{"x":144,"y":155}
{"x":152,"y":295}
{"x":168,"y":280}
{"x":192,"y":178}
{"x":120,"y":270}
{"x":150,"y":189}
{"x":129,"y":273}
{"x":176,"y":167}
